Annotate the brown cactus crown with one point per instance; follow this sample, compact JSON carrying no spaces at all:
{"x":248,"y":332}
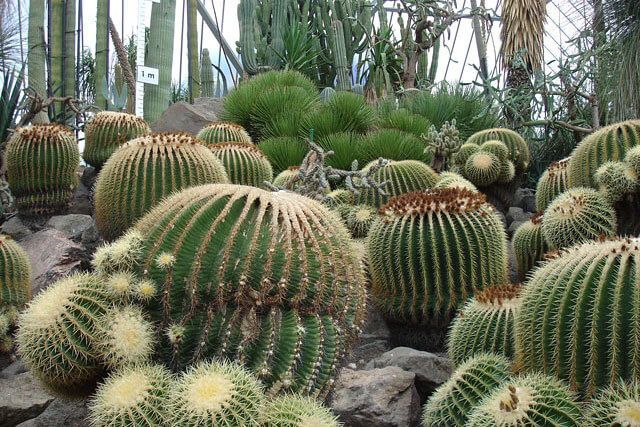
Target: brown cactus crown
{"x":223,"y":125}
{"x":498,"y":294}
{"x":44,"y":131}
{"x":536,"y":218}
{"x":114,"y":117}
{"x":164,"y":139}
{"x":240,"y":146}
{"x":558,"y":167}
{"x":422,"y":202}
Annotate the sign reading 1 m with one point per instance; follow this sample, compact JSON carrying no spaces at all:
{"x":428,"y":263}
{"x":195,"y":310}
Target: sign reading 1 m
{"x":148,"y":75}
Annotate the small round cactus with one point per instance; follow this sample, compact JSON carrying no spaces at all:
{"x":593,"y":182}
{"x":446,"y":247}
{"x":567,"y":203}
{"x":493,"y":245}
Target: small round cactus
{"x":285,"y":176}
{"x":338,"y":197}
{"x":577,"y":215}
{"x":216,"y":132}
{"x":485,"y":324}
{"x":552,"y":183}
{"x":466,"y":150}
{"x":617,"y":405}
{"x":292,"y":410}
{"x":359,"y":220}
{"x":529,"y":245}
{"x":15,"y":274}
{"x":135,"y":395}
{"x":482,"y":168}
{"x":507,"y":172}
{"x":108,"y":130}
{"x":632,"y":158}
{"x":244,"y":163}
{"x":615,"y":180}
{"x":496,"y":148}
{"x":451,"y":404}
{"x":518,"y":149}
{"x":452,"y":179}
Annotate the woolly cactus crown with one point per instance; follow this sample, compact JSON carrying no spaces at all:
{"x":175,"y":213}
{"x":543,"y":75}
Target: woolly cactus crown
{"x":436,"y":200}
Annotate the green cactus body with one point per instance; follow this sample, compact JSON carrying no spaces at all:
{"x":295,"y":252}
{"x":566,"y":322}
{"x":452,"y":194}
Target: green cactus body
{"x":577,"y":215}
{"x":530,"y":400}
{"x":452,"y":402}
{"x":496,"y":148}
{"x":617,"y":405}
{"x":223,"y":132}
{"x":607,"y":144}
{"x":632,"y":158}
{"x":244,"y":163}
{"x":552,"y":183}
{"x":146,"y":169}
{"x":15,"y":274}
{"x":292,"y":410}
{"x":579,"y":316}
{"x":452,"y":179}
{"x":57,"y":332}
{"x":247,"y":42}
{"x":466,"y":150}
{"x":359,"y":219}
{"x":616,"y":180}
{"x":403,"y":177}
{"x":326,"y":94}
{"x":283,"y":178}
{"x":102,"y":48}
{"x":106,"y":131}
{"x":518,"y":149}
{"x":529,"y":245}
{"x":206,"y":74}
{"x":507,"y":172}
{"x":41,"y":168}
{"x":340,"y":61}
{"x":339,"y":197}
{"x":485,"y":324}
{"x":36,"y":55}
{"x":430,"y":250}
{"x":482,"y":168}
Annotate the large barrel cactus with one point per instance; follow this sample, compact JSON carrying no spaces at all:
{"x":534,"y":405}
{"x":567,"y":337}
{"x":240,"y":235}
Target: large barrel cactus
{"x":518,"y":148}
{"x":579,"y":317}
{"x":552,"y":182}
{"x":430,"y":250}
{"x":42,"y":160}
{"x":244,"y":163}
{"x":108,"y":130}
{"x":529,"y":245}
{"x":145,"y":170}
{"x":223,"y":132}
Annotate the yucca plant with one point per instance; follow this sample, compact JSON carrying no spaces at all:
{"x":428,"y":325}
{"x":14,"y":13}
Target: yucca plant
{"x":343,"y":112}
{"x":284,"y":152}
{"x":10,"y":98}
{"x":279,"y":111}
{"x":345,"y":146}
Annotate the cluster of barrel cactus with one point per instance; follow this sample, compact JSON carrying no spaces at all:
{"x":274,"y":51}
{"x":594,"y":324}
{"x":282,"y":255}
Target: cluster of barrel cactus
{"x":518,"y":150}
{"x":487,"y":164}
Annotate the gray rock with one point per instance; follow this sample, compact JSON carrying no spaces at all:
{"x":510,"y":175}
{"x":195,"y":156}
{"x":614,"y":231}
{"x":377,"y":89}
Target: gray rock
{"x":88,"y":176}
{"x":73,"y":225}
{"x":81,"y":202}
{"x":213,"y":105}
{"x":367,"y":350}
{"x":184,"y":117}
{"x":525,"y":198}
{"x":517,"y":214}
{"x":21,"y":399}
{"x":514,"y":226}
{"x":15,"y":228}
{"x":384,"y":397}
{"x":61,"y":412}
{"x":12,"y":370}
{"x":512,"y":270}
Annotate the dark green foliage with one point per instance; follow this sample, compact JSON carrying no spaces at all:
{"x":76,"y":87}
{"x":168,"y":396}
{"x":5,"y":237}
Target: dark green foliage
{"x":284,"y":152}
{"x":405,"y":121}
{"x":345,"y":147}
{"x":342,"y":112}
{"x":279,"y":111}
{"x":391,"y":144}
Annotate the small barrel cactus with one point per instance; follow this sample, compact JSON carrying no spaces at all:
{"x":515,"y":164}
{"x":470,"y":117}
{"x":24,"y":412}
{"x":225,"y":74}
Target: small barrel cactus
{"x":632,"y":158}
{"x":223,"y":132}
{"x":482,"y":168}
{"x":496,"y":148}
{"x":359,"y":219}
{"x":430,"y":250}
{"x":518,"y":149}
{"x":529,"y":400}
{"x":507,"y":172}
{"x":552,"y":183}
{"x":145,"y":170}
{"x":452,"y":402}
{"x":108,"y":130}
{"x":529,"y":245}
{"x":466,"y":150}
{"x":326,"y":94}
{"x":42,"y":160}
{"x":244,"y":163}
{"x":615,"y":180}
{"x":15,"y":274}
{"x":285,"y":176}
{"x":577,"y":215}
{"x":292,"y":410}
{"x":617,"y":405}
{"x":452,"y":179}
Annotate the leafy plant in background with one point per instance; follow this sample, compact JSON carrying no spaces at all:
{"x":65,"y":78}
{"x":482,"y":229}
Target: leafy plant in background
{"x":300,"y":52}
{"x":381,"y":69}
{"x":116,"y":99}
{"x":10,"y":98}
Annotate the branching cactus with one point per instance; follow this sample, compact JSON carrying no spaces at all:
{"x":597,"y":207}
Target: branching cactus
{"x":485,"y":324}
{"x":41,"y":168}
{"x":529,"y":245}
{"x":518,"y":149}
{"x":223,"y":132}
{"x":244,"y":162}
{"x":145,"y":170}
{"x":551,"y":184}
{"x":292,"y":410}
{"x":430,"y":250}
{"x":617,"y":405}
{"x":579,"y":318}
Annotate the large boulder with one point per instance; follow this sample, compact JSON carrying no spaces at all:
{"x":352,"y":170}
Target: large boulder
{"x":15,"y":228}
{"x":184,"y":117}
{"x":21,"y":399}
{"x":61,"y":412}
{"x":76,"y":227}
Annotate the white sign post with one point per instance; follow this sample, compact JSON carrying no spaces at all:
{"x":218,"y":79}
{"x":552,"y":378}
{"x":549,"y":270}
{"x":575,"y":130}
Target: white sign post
{"x":145,"y":74}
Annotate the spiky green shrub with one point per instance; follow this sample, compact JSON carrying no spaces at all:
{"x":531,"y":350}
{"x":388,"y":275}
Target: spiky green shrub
{"x":402,"y":176}
{"x":108,"y":130}
{"x":615,"y":180}
{"x":518,"y":148}
{"x":578,"y":317}
{"x":244,"y":163}
{"x":359,"y":219}
{"x":577,"y":215}
{"x":617,"y":405}
{"x":15,"y":274}
{"x":390,"y":144}
{"x":292,"y":410}
{"x":452,"y":402}
{"x":529,"y":400}
{"x":529,"y":245}
{"x":430,"y":250}
{"x":552,"y":183}
{"x":57,"y":332}
{"x":485,"y":324}
{"x":215,"y":394}
{"x":135,"y":395}
{"x":405,"y":121}
{"x":223,"y":132}
{"x":452,"y":179}
{"x":482,"y":168}
{"x":607,"y":144}
{"x":280,"y":111}
{"x":345,"y":149}
{"x":343,"y":112}
{"x":284,"y":152}
{"x":41,"y":164}
{"x":145,"y":170}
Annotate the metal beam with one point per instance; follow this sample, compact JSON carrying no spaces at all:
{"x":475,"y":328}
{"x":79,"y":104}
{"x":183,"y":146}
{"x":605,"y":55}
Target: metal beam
{"x":206,"y":18}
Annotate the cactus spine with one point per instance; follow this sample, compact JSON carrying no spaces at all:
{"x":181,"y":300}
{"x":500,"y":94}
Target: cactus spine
{"x":518,"y":149}
{"x":206,"y":74}
{"x":359,"y":219}
{"x":102,"y":46}
{"x":36,"y":55}
{"x":244,"y":163}
{"x":452,"y":179}
{"x":292,"y":410}
{"x":617,"y":405}
{"x":482,"y":168}
{"x":340,"y":57}
{"x":223,"y":132}
{"x":529,"y":245}
{"x":552,"y":183}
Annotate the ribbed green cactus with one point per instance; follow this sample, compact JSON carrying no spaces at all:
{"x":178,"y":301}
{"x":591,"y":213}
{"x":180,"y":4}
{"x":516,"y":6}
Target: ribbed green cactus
{"x":41,"y":168}
{"x":403,"y":177}
{"x":146,"y":169}
{"x":452,"y":179}
{"x":482,"y":168}
{"x":340,"y":57}
{"x":285,"y":176}
{"x":607,"y":144}
{"x":552,"y":182}
{"x":102,"y":47}
{"x":615,"y":180}
{"x":15,"y":274}
{"x":192,"y":48}
{"x":430,"y":250}
{"x":451,"y":404}
{"x":485,"y":324}
{"x":359,"y":219}
{"x":518,"y":148}
{"x":36,"y":55}
{"x":507,"y":172}
{"x":632,"y":158}
{"x":206,"y":74}
{"x":244,"y":163}
{"x":497,"y":148}
{"x":529,"y":245}
{"x":577,"y":215}
{"x":578,"y":317}
{"x":530,"y":400}
{"x":617,"y":405}
{"x":223,"y":132}
{"x":292,"y":410}
{"x":106,"y":131}
{"x":462,"y":155}
{"x":326,"y":94}
{"x":247,"y":42}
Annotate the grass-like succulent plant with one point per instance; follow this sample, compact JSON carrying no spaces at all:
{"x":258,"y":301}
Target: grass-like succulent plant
{"x":216,"y":132}
{"x":391,"y":144}
{"x":529,"y":245}
{"x":343,"y":112}
{"x":617,"y":405}
{"x":359,"y":219}
{"x":552,"y":183}
{"x":403,"y":120}
{"x":518,"y":149}
{"x":42,"y":160}
{"x":284,"y":152}
{"x":482,"y":168}
{"x":430,"y":250}
{"x":292,"y":410}
{"x":15,"y":274}
{"x":577,"y":215}
{"x":244,"y":163}
{"x":106,"y":131}
{"x":146,"y":169}
{"x":451,"y":404}
{"x":615,"y":180}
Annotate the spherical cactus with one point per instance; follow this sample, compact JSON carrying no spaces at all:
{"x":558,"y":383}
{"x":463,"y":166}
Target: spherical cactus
{"x":215,"y":394}
{"x":615,"y":180}
{"x":507,"y":172}
{"x":577,"y":215}
{"x":338,"y":197}
{"x":578,"y":317}
{"x":244,"y":163}
{"x":518,"y":148}
{"x":292,"y":410}
{"x":57,"y":333}
{"x":632,"y":158}
{"x":485,"y":324}
{"x":106,"y":131}
{"x":497,"y":148}
{"x":463,"y":154}
{"x":359,"y":220}
{"x":216,"y":132}
{"x":42,"y":160}
{"x":143,"y":171}
{"x":451,"y":404}
{"x":452,"y":179}
{"x":15,"y":274}
{"x":285,"y":176}
{"x":403,"y":177}
{"x":135,"y":395}
{"x":430,"y":250}
{"x":528,"y":245}
{"x":617,"y":405}
{"x":482,"y":168}
{"x":530,"y":400}
{"x":552,"y":183}
{"x":607,"y":144}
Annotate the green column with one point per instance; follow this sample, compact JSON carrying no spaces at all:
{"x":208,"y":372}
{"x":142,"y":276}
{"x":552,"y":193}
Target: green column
{"x":36,"y":55}
{"x":102,"y":40}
